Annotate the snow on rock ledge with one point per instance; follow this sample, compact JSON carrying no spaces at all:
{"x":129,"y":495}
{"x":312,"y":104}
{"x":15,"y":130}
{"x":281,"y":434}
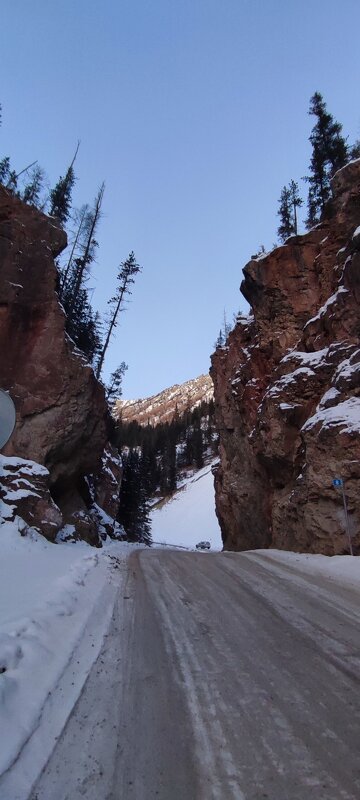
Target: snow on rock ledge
{"x":24,"y":493}
{"x":345,"y":417}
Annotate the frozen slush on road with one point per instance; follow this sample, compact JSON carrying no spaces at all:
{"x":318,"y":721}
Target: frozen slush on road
{"x":235,"y":685}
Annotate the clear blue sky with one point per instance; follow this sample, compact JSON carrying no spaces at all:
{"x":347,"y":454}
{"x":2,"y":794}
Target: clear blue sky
{"x":194,"y":112}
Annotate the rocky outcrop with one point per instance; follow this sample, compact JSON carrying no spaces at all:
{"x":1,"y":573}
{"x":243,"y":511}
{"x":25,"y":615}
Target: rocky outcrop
{"x":107,"y":481}
{"x":24,"y":492}
{"x":61,"y":411}
{"x":163,"y":407}
{"x":287,"y":390}
{"x":62,"y":414}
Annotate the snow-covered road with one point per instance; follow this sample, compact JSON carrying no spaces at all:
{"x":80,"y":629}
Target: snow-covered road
{"x":223,"y":676}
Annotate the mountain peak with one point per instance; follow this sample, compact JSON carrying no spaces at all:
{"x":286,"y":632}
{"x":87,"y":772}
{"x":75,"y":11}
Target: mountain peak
{"x":163,"y":406}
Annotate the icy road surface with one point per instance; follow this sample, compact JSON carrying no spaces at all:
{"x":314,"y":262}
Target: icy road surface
{"x":224,"y":676}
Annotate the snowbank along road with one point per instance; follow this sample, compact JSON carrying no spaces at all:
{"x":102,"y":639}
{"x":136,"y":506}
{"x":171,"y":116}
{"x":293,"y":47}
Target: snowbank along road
{"x":223,"y":676}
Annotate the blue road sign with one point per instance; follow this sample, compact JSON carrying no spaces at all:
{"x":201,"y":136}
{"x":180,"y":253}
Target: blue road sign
{"x":337,"y":482}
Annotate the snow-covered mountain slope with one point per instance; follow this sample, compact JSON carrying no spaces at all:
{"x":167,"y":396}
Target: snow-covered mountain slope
{"x":163,"y":406}
{"x":189,"y":516}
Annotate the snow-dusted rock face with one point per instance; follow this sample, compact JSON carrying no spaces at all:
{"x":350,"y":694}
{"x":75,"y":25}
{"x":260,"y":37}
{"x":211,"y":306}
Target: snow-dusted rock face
{"x":24,"y":493}
{"x":60,"y":406}
{"x":107,"y":481}
{"x":286,"y":390}
{"x":162,"y":407}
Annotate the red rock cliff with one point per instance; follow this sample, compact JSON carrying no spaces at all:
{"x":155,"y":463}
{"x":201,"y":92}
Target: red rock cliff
{"x":287,"y":390}
{"x":61,"y":408}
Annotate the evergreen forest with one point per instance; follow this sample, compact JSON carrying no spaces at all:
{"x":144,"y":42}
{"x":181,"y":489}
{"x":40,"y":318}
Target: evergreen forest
{"x":157,"y":458}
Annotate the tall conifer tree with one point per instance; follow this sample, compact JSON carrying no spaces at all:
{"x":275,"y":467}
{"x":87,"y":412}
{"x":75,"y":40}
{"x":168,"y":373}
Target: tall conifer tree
{"x":114,"y":388}
{"x":126,"y":277}
{"x":32,"y":191}
{"x":290,"y":201}
{"x":329,"y":153}
{"x":81,"y":220}
{"x":285,"y":228}
{"x":83,"y":261}
{"x":60,"y":196}
{"x":133,"y":510}
{"x":296,"y":202}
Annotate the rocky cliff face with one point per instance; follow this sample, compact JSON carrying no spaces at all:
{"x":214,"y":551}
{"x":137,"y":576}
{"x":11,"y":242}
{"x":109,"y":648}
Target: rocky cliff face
{"x":61,"y":409}
{"x":287,"y":390}
{"x":163,"y":406}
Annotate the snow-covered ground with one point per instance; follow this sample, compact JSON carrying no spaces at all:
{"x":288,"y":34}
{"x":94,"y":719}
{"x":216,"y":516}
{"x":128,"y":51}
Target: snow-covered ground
{"x":189,"y":517}
{"x":56,"y":603}
{"x":343,"y":570}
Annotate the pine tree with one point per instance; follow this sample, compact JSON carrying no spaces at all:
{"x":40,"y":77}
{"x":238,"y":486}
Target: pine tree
{"x":126,"y":277}
{"x":83,"y":261}
{"x":220,"y":340}
{"x":168,"y":465}
{"x":296,"y":202}
{"x":211,"y":432}
{"x":10,"y":178}
{"x":84,"y":325}
{"x":149,"y":464}
{"x":82,"y":222}
{"x":88,"y":334}
{"x":226,"y":326}
{"x":354,"y":151}
{"x":114,"y":389}
{"x":329,"y":153}
{"x":198,"y":447}
{"x":5,"y":171}
{"x":290,"y":201}
{"x":31,"y":193}
{"x":133,"y":509}
{"x":60,"y":196}
{"x":285,"y":228}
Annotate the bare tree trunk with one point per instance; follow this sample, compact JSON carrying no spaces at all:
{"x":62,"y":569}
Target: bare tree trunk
{"x":295,"y":219}
{"x":111,"y":328}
